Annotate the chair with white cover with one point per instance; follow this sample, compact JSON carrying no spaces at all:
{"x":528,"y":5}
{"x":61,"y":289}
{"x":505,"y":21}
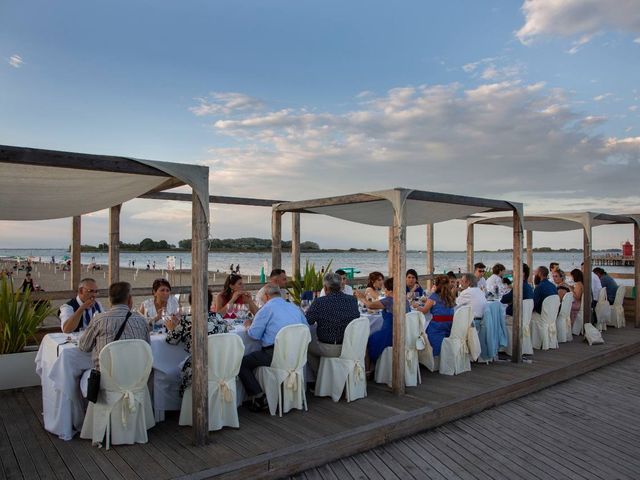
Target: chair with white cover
{"x":543,"y":326}
{"x":454,"y":353}
{"x":525,"y":330}
{"x":283,"y":381}
{"x":123,"y":412}
{"x":563,"y":321}
{"x":617,"y":309}
{"x":425,"y":356}
{"x":578,"y":324}
{"x":603,"y":310}
{"x":346,"y":372}
{"x":414,"y":338}
{"x":225,"y":352}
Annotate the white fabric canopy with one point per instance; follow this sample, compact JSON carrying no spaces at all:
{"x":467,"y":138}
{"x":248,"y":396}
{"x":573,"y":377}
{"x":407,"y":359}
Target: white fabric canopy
{"x":556,"y":222}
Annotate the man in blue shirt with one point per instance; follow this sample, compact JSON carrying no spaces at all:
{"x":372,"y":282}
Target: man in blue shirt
{"x":544,"y":289}
{"x":527,"y":291}
{"x":270,"y":319}
{"x":607,"y":282}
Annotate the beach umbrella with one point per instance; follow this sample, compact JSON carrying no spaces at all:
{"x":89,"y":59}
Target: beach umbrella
{"x":263,"y":278}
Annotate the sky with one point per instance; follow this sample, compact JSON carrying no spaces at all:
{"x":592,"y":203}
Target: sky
{"x":535,"y":101}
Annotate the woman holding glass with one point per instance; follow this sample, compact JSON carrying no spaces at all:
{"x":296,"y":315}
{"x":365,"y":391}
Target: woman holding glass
{"x":440,"y":304}
{"x":374,"y":286}
{"x":233,"y":294}
{"x":161,"y":304}
{"x":414,"y":290}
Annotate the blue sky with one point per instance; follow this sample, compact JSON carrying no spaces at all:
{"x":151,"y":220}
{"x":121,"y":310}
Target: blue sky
{"x":536,"y":102}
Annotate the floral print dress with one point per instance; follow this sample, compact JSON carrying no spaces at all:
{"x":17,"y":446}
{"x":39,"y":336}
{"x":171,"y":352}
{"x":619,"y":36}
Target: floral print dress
{"x":182,"y":334}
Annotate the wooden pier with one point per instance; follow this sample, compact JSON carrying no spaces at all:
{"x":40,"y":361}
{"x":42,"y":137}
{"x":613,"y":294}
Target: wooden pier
{"x":613,"y":260}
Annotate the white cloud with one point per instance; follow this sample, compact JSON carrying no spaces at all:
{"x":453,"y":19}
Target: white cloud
{"x":577,"y":18}
{"x":599,"y":98}
{"x":633,"y":108}
{"x":636,"y":40}
{"x":16,"y":61}
{"x":226,"y":103}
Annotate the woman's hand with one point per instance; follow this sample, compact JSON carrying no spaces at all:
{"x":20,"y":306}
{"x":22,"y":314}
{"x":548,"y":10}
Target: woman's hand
{"x":172,"y":322}
{"x":235,"y":295}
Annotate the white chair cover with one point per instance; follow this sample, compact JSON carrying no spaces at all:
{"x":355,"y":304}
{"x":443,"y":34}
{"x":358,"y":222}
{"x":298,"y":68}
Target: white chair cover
{"x":563,"y":321}
{"x":414,"y":338}
{"x":283,"y":382}
{"x":591,"y":335}
{"x":617,"y":309}
{"x":454,"y":353}
{"x":579,"y":322}
{"x":603,"y":310}
{"x":123,"y":412}
{"x":525,"y":332}
{"x":223,"y":365}
{"x":543,"y":327}
{"x":346,"y":371}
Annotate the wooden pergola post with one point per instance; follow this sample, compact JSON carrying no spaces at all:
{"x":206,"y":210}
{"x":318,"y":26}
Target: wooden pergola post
{"x":114,"y":244}
{"x":516,"y":340}
{"x":199,"y":315}
{"x":530,"y":253}
{"x":295,"y":244}
{"x":276,"y":239}
{"x":399,"y":294}
{"x":470,"y":241}
{"x":430,"y":265}
{"x":636,"y":257}
{"x":76,"y":261}
{"x":586,"y":273}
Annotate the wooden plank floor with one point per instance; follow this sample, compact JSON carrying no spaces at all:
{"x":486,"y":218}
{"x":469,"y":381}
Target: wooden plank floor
{"x":585,"y":428}
{"x":271,"y":447}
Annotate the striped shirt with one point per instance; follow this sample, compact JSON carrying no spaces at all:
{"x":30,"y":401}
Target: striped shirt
{"x":104,"y":327}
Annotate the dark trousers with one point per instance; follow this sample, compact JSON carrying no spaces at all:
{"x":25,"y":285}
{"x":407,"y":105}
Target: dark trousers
{"x":594,"y":318}
{"x":261,"y":358}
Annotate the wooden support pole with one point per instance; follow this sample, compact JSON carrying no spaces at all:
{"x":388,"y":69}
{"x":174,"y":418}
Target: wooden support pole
{"x":76,"y":261}
{"x":530,"y":253}
{"x":114,"y":244}
{"x":470,"y":240}
{"x":399,"y":298}
{"x":276,"y":239}
{"x":199,"y":315}
{"x":390,"y":255}
{"x":516,"y":340}
{"x":586,"y":275}
{"x":636,"y":253}
{"x":295,"y":244}
{"x":430,"y":265}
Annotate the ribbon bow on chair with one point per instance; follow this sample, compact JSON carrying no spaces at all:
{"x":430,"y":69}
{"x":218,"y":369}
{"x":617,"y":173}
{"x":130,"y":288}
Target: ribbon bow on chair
{"x":128,"y":405}
{"x":552,"y":330}
{"x":292,"y":380}
{"x":525,"y":331}
{"x":425,"y":341}
{"x":226,"y":391}
{"x":358,"y":370}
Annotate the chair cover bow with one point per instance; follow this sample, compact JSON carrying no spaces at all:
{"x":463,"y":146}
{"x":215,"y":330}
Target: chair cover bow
{"x":128,"y":405}
{"x":422,"y":341}
{"x":226,"y":391}
{"x":358,"y":370}
{"x":292,"y":380}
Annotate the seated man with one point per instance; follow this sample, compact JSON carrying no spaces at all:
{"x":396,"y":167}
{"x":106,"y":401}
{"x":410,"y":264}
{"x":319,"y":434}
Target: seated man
{"x":527,"y":291}
{"x":344,"y":287}
{"x":471,"y":295}
{"x":544,"y":288}
{"x":606,"y":282}
{"x":77,"y":313}
{"x":332,"y":313}
{"x":478,"y":271}
{"x":270,"y":319}
{"x":102,"y":330}
{"x":277,"y":278}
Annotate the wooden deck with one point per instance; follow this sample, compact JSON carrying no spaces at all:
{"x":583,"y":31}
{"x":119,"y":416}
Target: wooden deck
{"x":586,"y":428}
{"x":271,"y":447}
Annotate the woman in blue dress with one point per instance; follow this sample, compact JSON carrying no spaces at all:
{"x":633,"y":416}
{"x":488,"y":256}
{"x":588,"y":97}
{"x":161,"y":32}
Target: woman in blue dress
{"x":440,"y":304}
{"x":414,"y":290}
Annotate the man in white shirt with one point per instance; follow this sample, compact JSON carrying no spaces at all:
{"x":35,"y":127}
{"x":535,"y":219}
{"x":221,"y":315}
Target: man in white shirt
{"x":345,"y":288}
{"x":277,"y":278}
{"x":471,"y":295}
{"x":77,"y":313}
{"x":478,"y":271}
{"x":495,"y":280}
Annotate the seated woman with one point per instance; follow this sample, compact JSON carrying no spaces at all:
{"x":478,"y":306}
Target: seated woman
{"x":374,"y":286}
{"x":578,"y":288}
{"x":440,"y":304}
{"x":233,"y":293}
{"x":179,"y":331}
{"x":414,"y":290}
{"x":558,"y":279}
{"x":162,"y":301}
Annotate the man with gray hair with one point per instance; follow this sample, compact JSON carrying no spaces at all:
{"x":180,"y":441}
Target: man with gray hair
{"x":332,"y":313}
{"x":76,"y":314}
{"x":471,"y":295}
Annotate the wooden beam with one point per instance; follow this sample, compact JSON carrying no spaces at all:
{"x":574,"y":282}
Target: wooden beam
{"x":516,"y":339}
{"x":76,"y":259}
{"x":530,"y":253}
{"x":199,"y":309}
{"x":430,"y":265}
{"x":114,"y":244}
{"x":327,"y":202}
{"x":390,"y":254}
{"x":435,"y":197}
{"x":470,"y":240}
{"x":399,"y":296}
{"x":586,"y":275}
{"x":276,"y":239}
{"x":636,"y":253}
{"x":295,"y":244}
{"x":186,"y":197}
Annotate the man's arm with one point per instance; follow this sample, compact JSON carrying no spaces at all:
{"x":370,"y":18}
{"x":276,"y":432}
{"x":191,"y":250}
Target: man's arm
{"x":312,"y":313}
{"x":463,"y":298}
{"x":507,"y":298}
{"x":69,"y":320}
{"x":537,"y":300}
{"x":259,"y":324}
{"x":88,"y":339}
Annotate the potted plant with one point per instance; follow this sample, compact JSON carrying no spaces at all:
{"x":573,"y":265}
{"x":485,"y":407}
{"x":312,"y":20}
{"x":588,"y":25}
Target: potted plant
{"x":307,"y":284}
{"x":20,"y":318}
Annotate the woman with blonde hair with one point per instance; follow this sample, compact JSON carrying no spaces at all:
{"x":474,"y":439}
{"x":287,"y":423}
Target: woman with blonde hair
{"x":440,"y":304}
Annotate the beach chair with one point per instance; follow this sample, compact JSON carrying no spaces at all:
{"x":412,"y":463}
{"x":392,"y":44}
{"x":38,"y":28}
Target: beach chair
{"x":225,"y":352}
{"x":603,"y":310}
{"x":543,"y":326}
{"x":123,"y":412}
{"x":346,"y":372}
{"x":283,"y":381}
{"x":617,"y":309}
{"x":454,"y":353}
{"x":563,"y":321}
{"x":414,"y":338}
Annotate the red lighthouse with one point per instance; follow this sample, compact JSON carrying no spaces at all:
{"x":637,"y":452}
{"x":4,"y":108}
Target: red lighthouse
{"x":627,"y":249}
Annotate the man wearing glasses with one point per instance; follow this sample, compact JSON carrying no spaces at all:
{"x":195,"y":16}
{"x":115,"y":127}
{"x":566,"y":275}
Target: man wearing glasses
{"x":478,"y":270}
{"x":78,"y":312}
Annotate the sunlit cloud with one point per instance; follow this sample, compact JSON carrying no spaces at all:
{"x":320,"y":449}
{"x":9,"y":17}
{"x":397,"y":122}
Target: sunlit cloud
{"x":16,"y":61}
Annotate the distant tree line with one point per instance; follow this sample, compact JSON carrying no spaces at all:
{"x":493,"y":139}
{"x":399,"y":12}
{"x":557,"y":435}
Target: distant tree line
{"x":215,"y":244}
{"x":146,"y":245}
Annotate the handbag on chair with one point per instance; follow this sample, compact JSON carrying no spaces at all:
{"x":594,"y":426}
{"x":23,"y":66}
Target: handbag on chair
{"x":93,"y":383}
